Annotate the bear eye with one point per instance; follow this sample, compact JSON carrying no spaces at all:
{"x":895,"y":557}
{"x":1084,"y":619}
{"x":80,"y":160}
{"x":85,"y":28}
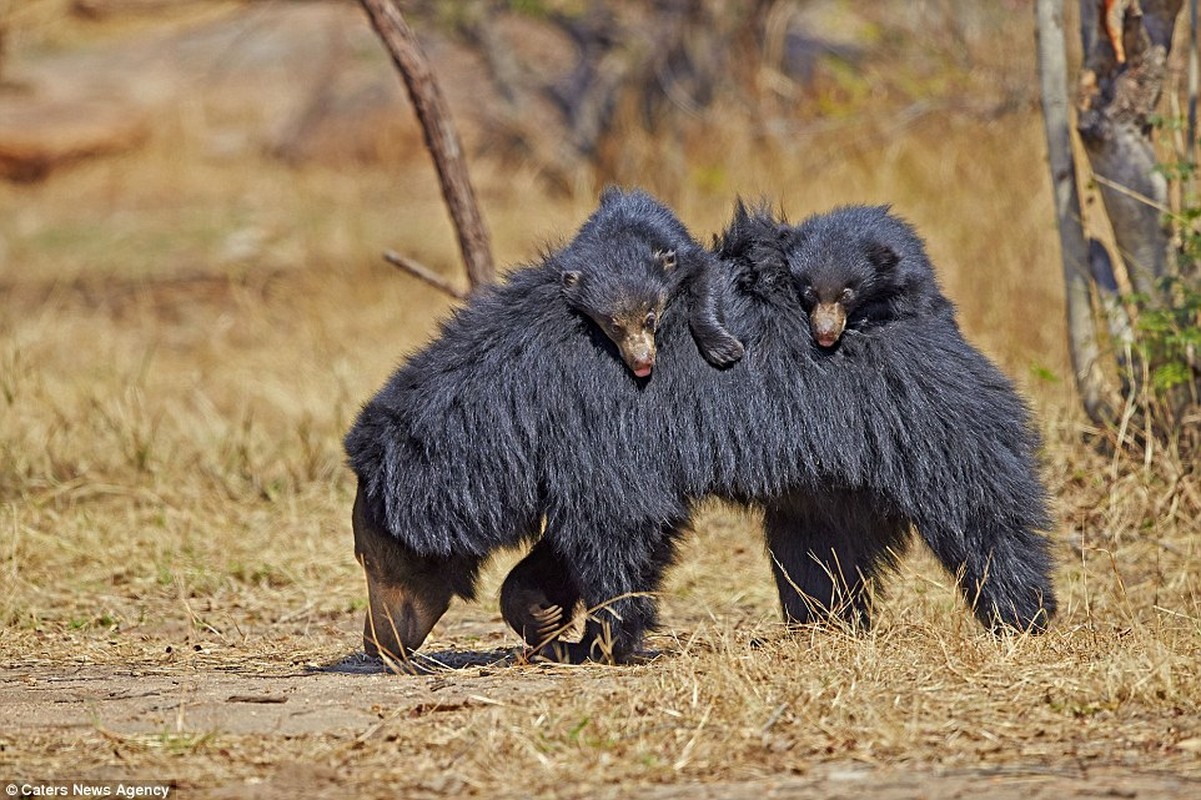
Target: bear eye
{"x":809,"y":294}
{"x":650,"y":321}
{"x":847,"y":295}
{"x":615,"y":325}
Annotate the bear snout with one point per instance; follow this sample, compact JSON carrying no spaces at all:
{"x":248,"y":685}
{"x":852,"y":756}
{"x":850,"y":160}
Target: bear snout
{"x":827,"y":322}
{"x":638,"y":353}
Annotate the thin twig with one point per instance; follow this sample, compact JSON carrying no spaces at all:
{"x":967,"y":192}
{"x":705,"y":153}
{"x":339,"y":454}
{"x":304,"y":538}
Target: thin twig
{"x":1142,"y":198}
{"x":426,"y":274}
{"x":441,"y":138}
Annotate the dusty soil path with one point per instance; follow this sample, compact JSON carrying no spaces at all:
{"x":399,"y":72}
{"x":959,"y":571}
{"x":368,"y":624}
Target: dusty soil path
{"x":355,"y":700}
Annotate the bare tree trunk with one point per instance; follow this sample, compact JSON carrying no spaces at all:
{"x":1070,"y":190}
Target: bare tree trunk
{"x":1194,"y":77}
{"x":1113,"y":310}
{"x":1074,"y":250}
{"x":1120,"y":85}
{"x":440,"y":137}
{"x":1126,"y":48}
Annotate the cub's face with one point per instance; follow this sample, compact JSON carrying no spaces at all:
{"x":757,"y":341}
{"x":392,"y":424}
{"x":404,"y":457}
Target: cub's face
{"x":625,"y":300}
{"x":841,"y":279}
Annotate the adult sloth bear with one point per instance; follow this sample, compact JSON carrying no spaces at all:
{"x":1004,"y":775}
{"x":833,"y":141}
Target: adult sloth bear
{"x":522,"y":412}
{"x":924,"y":431}
{"x":859,"y":412}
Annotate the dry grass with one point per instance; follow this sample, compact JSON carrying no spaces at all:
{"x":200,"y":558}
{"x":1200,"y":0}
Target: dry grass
{"x":183,"y":340}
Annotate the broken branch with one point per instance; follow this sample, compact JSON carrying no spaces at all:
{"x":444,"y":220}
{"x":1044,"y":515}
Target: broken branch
{"x":423,"y":272}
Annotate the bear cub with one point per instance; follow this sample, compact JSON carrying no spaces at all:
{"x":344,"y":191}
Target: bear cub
{"x":855,"y":267}
{"x":611,"y":276}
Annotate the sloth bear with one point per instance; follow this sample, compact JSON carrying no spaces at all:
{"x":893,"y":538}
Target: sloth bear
{"x":523,"y":415}
{"x":859,"y":413}
{"x":607,"y":278}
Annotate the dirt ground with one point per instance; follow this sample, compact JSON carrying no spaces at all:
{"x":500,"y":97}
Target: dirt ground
{"x":188,"y":324}
{"x":355,"y":700}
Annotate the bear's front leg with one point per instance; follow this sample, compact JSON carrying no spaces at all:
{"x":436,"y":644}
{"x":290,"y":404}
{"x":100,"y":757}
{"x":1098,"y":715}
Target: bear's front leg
{"x":539,"y":599}
{"x":407,"y":592}
{"x":618,"y":569}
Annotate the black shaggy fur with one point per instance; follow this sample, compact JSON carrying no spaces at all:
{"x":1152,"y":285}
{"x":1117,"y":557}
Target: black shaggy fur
{"x":898,"y":424}
{"x":520,"y":411}
{"x":908,"y":423}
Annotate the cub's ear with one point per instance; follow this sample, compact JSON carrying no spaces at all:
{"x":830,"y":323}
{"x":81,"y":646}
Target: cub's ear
{"x":610,"y":194}
{"x":881,"y":256}
{"x":666,"y":259}
{"x":570,"y":278}
{"x":790,"y":237}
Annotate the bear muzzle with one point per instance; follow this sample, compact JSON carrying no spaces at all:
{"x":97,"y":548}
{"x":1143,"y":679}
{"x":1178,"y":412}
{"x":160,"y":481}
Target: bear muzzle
{"x":827,"y":321}
{"x":638,"y":353}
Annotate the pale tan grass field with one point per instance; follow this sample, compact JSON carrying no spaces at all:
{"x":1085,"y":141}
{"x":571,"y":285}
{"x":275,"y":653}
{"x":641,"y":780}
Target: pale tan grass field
{"x":184,"y":340}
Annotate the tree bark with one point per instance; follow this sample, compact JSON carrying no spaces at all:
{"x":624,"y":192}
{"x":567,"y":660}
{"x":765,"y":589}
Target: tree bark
{"x":1074,"y":250}
{"x":440,"y":137}
{"x":1120,"y":85}
{"x":1113,"y":309}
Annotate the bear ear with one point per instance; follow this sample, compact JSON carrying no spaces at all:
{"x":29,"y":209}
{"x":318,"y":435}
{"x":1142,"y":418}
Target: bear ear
{"x":881,"y":256}
{"x":666,"y":259}
{"x":570,"y":279}
{"x":611,"y":194}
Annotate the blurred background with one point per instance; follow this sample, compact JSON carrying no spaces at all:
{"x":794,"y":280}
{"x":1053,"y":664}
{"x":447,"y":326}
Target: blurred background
{"x":196,"y":196}
{"x":156,"y":139}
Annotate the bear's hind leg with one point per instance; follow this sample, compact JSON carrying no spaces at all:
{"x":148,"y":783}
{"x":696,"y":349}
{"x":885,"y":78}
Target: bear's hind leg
{"x":826,"y":551}
{"x":1003,"y":569}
